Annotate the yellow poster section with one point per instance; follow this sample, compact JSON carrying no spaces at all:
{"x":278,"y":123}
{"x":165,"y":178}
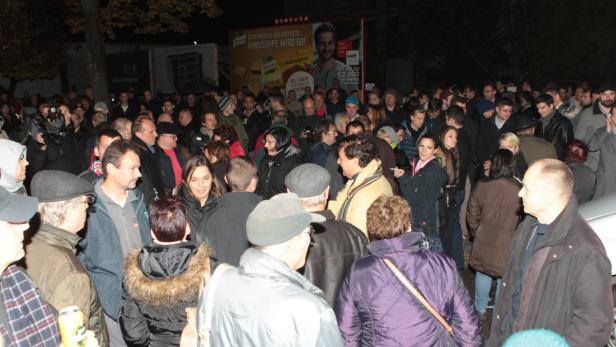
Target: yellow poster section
{"x":269,"y":56}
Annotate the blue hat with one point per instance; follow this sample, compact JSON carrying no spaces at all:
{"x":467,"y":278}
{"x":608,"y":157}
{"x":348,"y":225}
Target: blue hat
{"x":536,"y":337}
{"x":484,"y":105}
{"x":352,"y":100}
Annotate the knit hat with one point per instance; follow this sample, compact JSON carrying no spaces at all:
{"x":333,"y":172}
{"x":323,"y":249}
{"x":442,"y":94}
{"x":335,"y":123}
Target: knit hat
{"x":484,"y":105}
{"x":391,"y":133}
{"x":224,"y":103}
{"x":100,"y":105}
{"x":536,"y":337}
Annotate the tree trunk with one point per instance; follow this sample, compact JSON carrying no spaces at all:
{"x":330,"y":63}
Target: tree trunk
{"x":95,"y":46}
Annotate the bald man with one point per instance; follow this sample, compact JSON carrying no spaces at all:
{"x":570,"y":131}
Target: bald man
{"x":558,"y":276}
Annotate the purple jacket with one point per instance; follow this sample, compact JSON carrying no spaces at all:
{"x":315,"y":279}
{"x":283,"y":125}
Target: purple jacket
{"x":375,"y":309}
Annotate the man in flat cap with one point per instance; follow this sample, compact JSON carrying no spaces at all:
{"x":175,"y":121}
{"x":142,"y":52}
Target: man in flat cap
{"x":264,"y":301}
{"x":595,"y":117}
{"x":534,"y":148}
{"x":51,"y":258}
{"x":171,"y":159}
{"x":336,"y":244}
{"x":25,"y":318}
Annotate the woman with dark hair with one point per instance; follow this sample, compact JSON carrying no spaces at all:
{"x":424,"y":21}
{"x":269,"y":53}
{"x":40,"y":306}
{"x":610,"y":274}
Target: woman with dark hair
{"x":198,"y":191}
{"x":219,"y":155}
{"x":451,"y":233}
{"x":162,"y":280}
{"x":228,"y":135}
{"x":375,"y":308}
{"x":584,"y":179}
{"x":422,"y":186}
{"x":280,"y":158}
{"x":492,"y":215}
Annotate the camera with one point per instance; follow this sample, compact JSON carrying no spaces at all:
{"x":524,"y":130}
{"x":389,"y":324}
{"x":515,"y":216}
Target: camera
{"x":54,"y":114}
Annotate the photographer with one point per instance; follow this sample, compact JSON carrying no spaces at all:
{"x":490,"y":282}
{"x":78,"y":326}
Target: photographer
{"x":57,"y":140}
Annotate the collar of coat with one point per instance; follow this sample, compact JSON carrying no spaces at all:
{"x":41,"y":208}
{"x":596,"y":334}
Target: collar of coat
{"x":371,"y":169}
{"x":57,"y":237}
{"x":256,"y":263}
{"x":559,"y":229}
{"x":167,"y":291}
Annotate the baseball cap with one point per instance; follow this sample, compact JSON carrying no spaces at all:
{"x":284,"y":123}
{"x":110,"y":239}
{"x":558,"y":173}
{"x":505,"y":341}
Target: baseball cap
{"x":55,"y":185}
{"x":352,"y":100}
{"x":278,"y":219}
{"x":100,"y":105}
{"x":307,"y":180}
{"x":16,"y":208}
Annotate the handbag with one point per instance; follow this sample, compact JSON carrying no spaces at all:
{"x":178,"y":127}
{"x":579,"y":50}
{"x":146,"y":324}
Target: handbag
{"x":207,"y":304}
{"x":411,"y":288}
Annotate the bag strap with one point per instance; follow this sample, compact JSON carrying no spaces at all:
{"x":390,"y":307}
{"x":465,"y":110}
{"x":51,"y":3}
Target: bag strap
{"x":204,"y":334}
{"x":411,"y":288}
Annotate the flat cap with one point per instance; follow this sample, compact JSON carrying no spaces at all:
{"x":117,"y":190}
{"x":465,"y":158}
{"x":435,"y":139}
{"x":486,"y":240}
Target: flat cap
{"x":278,"y":219}
{"x":54,"y":185}
{"x":307,"y":180}
{"x":163,"y":128}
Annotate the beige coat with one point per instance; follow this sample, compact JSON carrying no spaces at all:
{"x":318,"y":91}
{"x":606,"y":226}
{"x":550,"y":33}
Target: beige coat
{"x":353,"y":201}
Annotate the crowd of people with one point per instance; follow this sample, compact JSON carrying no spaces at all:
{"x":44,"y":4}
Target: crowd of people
{"x":267,"y":219}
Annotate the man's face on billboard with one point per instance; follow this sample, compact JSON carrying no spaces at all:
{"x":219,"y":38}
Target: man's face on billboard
{"x":326,"y":45}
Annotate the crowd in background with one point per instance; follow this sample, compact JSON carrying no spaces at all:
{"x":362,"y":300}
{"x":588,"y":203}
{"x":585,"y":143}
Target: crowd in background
{"x":311,"y":208}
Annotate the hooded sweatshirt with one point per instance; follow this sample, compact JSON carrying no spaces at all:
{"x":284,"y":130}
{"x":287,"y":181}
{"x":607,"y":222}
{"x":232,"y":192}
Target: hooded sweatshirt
{"x":10,"y":152}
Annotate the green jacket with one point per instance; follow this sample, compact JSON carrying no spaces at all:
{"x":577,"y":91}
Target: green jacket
{"x":61,"y":278}
{"x":237,"y":124}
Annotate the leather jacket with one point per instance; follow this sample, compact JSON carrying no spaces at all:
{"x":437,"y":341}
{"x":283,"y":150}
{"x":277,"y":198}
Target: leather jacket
{"x":558,"y":131}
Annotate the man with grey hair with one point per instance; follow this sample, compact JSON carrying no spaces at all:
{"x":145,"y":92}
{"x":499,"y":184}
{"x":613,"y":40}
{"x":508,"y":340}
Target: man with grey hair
{"x":558,"y":277}
{"x":264,"y":301}
{"x":336,"y":244}
{"x":51,"y":259}
{"x":341,"y":120}
{"x":123,"y":126}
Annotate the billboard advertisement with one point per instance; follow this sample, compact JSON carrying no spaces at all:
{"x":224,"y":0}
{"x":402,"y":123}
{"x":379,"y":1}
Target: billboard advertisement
{"x":293,"y":57}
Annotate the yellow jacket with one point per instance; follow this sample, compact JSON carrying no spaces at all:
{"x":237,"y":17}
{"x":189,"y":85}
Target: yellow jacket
{"x":353,"y":201}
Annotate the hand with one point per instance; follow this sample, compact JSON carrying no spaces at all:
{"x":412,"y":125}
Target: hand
{"x":189,"y":333}
{"x":398,"y":172}
{"x":91,"y":340}
{"x":40,"y":139}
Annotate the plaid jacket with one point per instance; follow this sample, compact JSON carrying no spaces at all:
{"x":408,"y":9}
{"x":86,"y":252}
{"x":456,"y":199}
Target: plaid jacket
{"x":31,"y":320}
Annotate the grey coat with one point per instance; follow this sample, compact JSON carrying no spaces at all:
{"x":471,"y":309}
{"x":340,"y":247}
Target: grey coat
{"x":584,"y":182}
{"x":603,"y":145}
{"x":589,"y":121}
{"x":263,"y":302}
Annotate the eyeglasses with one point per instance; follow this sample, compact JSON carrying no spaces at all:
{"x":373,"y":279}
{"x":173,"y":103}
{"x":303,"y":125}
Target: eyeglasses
{"x":332,"y":133}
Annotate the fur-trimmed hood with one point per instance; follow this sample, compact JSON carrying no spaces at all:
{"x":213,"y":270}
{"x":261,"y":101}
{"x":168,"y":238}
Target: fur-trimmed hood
{"x":167,"y":290}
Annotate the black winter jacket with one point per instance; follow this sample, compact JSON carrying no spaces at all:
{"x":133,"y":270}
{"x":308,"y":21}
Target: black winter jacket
{"x":224,"y":228}
{"x":151,"y":183}
{"x":559,"y":131}
{"x":336,"y":245}
{"x":196,"y":212}
{"x":424,"y":192}
{"x":160,"y":282}
{"x":273,"y":170}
